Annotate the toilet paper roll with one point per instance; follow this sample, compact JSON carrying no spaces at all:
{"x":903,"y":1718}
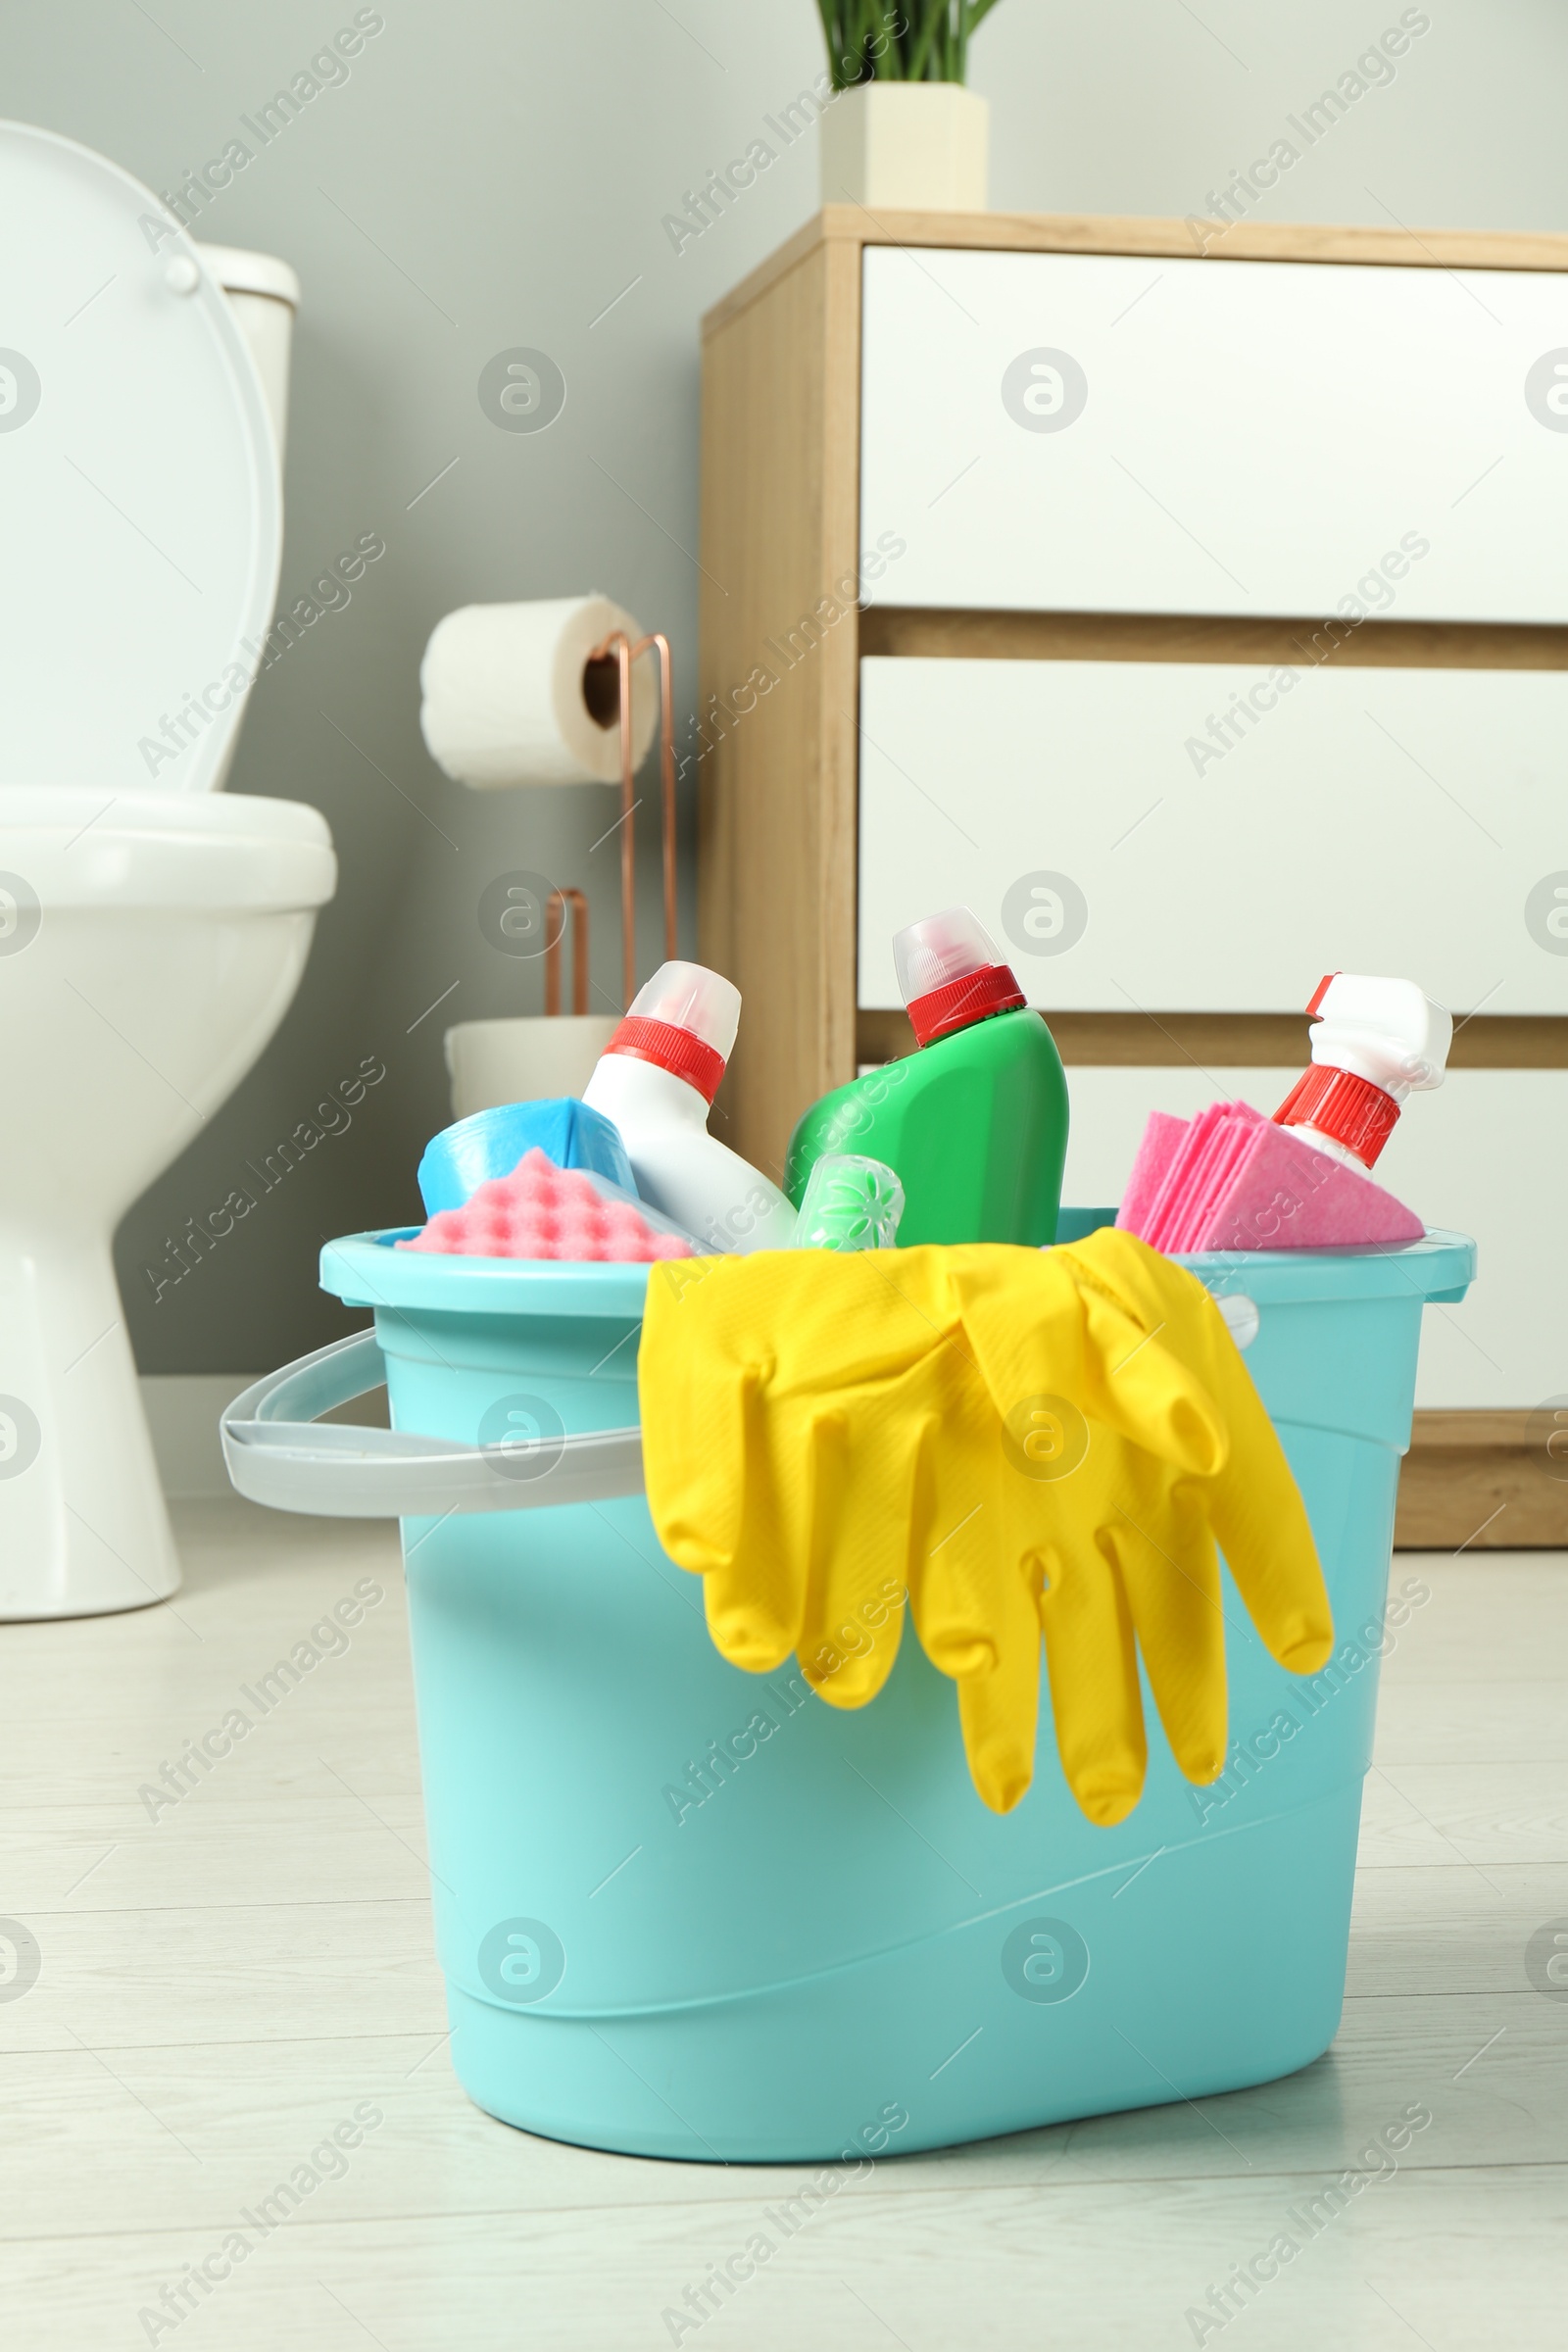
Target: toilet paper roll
{"x":530,"y":1058}
{"x":504,"y":696}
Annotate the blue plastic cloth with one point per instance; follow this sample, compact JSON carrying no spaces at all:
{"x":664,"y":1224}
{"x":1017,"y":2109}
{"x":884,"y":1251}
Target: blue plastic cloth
{"x":491,"y":1143}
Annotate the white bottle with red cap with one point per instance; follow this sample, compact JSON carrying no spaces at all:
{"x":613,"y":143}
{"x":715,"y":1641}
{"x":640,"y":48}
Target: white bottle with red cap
{"x":1374,"y":1042}
{"x":656,"y":1079}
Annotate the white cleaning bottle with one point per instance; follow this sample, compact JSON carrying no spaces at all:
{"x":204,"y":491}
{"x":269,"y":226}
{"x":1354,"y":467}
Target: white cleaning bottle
{"x":656,"y":1079}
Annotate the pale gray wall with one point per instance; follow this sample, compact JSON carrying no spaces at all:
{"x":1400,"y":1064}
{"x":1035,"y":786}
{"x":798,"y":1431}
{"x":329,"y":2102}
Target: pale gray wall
{"x":507,"y":167}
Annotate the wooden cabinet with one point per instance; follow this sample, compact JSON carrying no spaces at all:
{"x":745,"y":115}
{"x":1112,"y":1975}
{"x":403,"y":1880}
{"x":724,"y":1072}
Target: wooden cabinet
{"x":1011,"y":526}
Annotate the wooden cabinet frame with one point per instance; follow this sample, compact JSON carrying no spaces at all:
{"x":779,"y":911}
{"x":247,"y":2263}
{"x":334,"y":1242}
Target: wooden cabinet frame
{"x":782,"y":634}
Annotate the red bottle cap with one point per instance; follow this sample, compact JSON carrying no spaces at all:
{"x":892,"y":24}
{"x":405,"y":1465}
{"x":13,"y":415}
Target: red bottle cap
{"x":682,"y":1020}
{"x":974,"y":998}
{"x":674,"y":1050}
{"x":1339,"y":1104}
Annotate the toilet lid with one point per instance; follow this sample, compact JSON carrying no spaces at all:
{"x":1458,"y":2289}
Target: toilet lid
{"x":141,"y":512}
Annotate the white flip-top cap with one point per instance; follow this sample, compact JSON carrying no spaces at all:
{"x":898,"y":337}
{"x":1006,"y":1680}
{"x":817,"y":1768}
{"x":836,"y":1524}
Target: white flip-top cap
{"x":138,"y":477}
{"x":688,"y":996}
{"x":941,"y":949}
{"x":950,"y":974}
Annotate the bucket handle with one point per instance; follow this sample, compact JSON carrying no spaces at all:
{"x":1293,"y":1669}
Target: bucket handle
{"x":275,"y":1454}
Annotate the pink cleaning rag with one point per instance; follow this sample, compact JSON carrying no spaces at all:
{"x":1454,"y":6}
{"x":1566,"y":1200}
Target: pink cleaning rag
{"x":542,"y":1212}
{"x":1230,"y":1179}
{"x":1155,"y":1154}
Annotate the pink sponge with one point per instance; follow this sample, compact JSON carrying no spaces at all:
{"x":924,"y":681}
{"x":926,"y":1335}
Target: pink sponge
{"x":1230,"y":1179}
{"x":541,"y":1211}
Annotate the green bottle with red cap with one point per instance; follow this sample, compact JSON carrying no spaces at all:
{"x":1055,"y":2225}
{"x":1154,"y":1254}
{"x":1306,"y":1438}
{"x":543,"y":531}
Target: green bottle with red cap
{"x":975,"y":1122}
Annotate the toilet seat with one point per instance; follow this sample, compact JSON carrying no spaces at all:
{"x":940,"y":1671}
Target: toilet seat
{"x":73,"y":849}
{"x":138,"y":487}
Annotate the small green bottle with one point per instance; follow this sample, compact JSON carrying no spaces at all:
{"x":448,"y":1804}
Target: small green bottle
{"x":975,"y":1123}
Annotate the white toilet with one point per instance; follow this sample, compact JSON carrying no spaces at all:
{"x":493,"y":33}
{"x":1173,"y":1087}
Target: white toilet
{"x":152,"y":929}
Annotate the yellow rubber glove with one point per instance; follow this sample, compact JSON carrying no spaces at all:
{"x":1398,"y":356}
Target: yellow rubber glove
{"x":1022,"y":1439}
{"x":1131,"y":1551}
{"x":791,"y":1403}
{"x":817,"y":1439}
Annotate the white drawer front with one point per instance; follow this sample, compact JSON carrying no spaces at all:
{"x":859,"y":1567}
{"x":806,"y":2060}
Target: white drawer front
{"x":1386,"y":820}
{"x":1254,"y":437}
{"x":1470,"y":1157}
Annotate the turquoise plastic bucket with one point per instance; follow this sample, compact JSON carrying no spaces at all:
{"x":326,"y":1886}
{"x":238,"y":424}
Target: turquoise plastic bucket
{"x":836,"y":1949}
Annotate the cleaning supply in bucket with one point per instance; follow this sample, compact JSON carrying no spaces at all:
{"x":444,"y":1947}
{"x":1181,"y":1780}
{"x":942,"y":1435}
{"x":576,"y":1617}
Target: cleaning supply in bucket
{"x":1374,"y":1044}
{"x":491,"y":1143}
{"x":1022,"y":1443}
{"x":657,"y":1082}
{"x":544,"y":1211}
{"x":850,"y":1203}
{"x":976,"y":1120}
{"x":1231,"y":1179}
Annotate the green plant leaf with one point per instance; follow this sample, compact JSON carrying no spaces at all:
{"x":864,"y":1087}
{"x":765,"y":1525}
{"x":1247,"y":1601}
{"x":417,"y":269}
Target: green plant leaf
{"x":922,"y":40}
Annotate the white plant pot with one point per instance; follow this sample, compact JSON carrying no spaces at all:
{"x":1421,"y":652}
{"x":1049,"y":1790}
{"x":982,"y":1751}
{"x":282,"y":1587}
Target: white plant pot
{"x":905,"y":146}
{"x":533,"y":1058}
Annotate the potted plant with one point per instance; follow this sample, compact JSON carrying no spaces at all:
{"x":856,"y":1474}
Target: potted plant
{"x":901,"y":132}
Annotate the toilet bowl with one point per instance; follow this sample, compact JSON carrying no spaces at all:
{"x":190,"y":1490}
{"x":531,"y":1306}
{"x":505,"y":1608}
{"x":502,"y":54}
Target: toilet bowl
{"x":152,"y":930}
{"x":169,"y":940}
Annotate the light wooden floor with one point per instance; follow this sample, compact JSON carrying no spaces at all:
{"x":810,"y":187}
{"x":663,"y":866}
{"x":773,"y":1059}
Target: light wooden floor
{"x":221,"y":1986}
